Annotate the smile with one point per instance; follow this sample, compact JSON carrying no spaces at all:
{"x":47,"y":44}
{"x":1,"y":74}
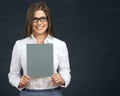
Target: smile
{"x":39,"y":27}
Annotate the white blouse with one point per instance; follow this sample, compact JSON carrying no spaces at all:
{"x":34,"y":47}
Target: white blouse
{"x":18,"y":61}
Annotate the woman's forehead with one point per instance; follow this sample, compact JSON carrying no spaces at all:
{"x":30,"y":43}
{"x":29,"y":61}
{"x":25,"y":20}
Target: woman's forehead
{"x":39,"y":13}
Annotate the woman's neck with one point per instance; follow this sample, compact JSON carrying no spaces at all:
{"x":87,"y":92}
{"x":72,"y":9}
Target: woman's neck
{"x":40,"y":38}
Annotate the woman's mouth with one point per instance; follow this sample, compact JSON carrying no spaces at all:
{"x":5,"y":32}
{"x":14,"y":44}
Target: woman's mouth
{"x":39,"y":27}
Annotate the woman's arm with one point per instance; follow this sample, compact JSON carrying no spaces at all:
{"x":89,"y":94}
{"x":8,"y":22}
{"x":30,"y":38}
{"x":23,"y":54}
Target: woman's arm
{"x":63,"y":77}
{"x":15,"y":66}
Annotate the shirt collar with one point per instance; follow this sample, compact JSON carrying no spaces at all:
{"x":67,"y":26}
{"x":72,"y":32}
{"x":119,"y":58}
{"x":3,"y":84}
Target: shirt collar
{"x":47,"y":40}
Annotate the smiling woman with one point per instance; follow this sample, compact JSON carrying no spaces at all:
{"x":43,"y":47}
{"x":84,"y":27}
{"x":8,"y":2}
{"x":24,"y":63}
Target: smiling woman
{"x":38,"y":10}
{"x":39,"y":30}
{"x":40,"y":24}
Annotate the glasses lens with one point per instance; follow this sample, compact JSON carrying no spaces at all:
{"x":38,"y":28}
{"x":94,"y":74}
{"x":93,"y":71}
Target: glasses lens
{"x":35,"y":19}
{"x":42,"y":19}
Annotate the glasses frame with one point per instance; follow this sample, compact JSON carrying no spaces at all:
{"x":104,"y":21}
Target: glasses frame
{"x":41,"y":19}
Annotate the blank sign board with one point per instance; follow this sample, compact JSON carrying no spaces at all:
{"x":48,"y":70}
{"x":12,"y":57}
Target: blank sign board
{"x":39,"y":60}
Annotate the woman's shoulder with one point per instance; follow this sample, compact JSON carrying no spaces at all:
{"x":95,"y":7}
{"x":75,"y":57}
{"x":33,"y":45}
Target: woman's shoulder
{"x":59,"y":42}
{"x":22,"y":41}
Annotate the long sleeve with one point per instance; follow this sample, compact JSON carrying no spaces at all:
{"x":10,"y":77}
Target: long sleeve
{"x":64,"y":66}
{"x":19,"y":61}
{"x":14,"y":74}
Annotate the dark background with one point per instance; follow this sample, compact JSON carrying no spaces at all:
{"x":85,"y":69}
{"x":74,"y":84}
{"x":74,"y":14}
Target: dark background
{"x":92,"y":33}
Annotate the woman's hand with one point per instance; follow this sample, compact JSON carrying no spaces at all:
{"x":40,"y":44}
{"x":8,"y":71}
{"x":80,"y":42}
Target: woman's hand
{"x":57,"y":79}
{"x":25,"y":79}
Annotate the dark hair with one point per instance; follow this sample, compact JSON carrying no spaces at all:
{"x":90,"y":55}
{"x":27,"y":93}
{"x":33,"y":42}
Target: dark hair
{"x":30,"y":13}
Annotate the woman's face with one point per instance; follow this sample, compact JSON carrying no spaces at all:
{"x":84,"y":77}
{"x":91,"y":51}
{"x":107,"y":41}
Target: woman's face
{"x":40,"y":23}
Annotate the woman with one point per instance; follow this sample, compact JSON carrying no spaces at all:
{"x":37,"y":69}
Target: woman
{"x":39,"y":30}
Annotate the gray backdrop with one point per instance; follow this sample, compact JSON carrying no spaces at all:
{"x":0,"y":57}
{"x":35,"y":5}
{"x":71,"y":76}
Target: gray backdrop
{"x":91,"y":31}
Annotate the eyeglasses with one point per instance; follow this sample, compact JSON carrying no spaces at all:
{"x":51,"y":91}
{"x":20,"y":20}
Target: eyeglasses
{"x":42,"y":19}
